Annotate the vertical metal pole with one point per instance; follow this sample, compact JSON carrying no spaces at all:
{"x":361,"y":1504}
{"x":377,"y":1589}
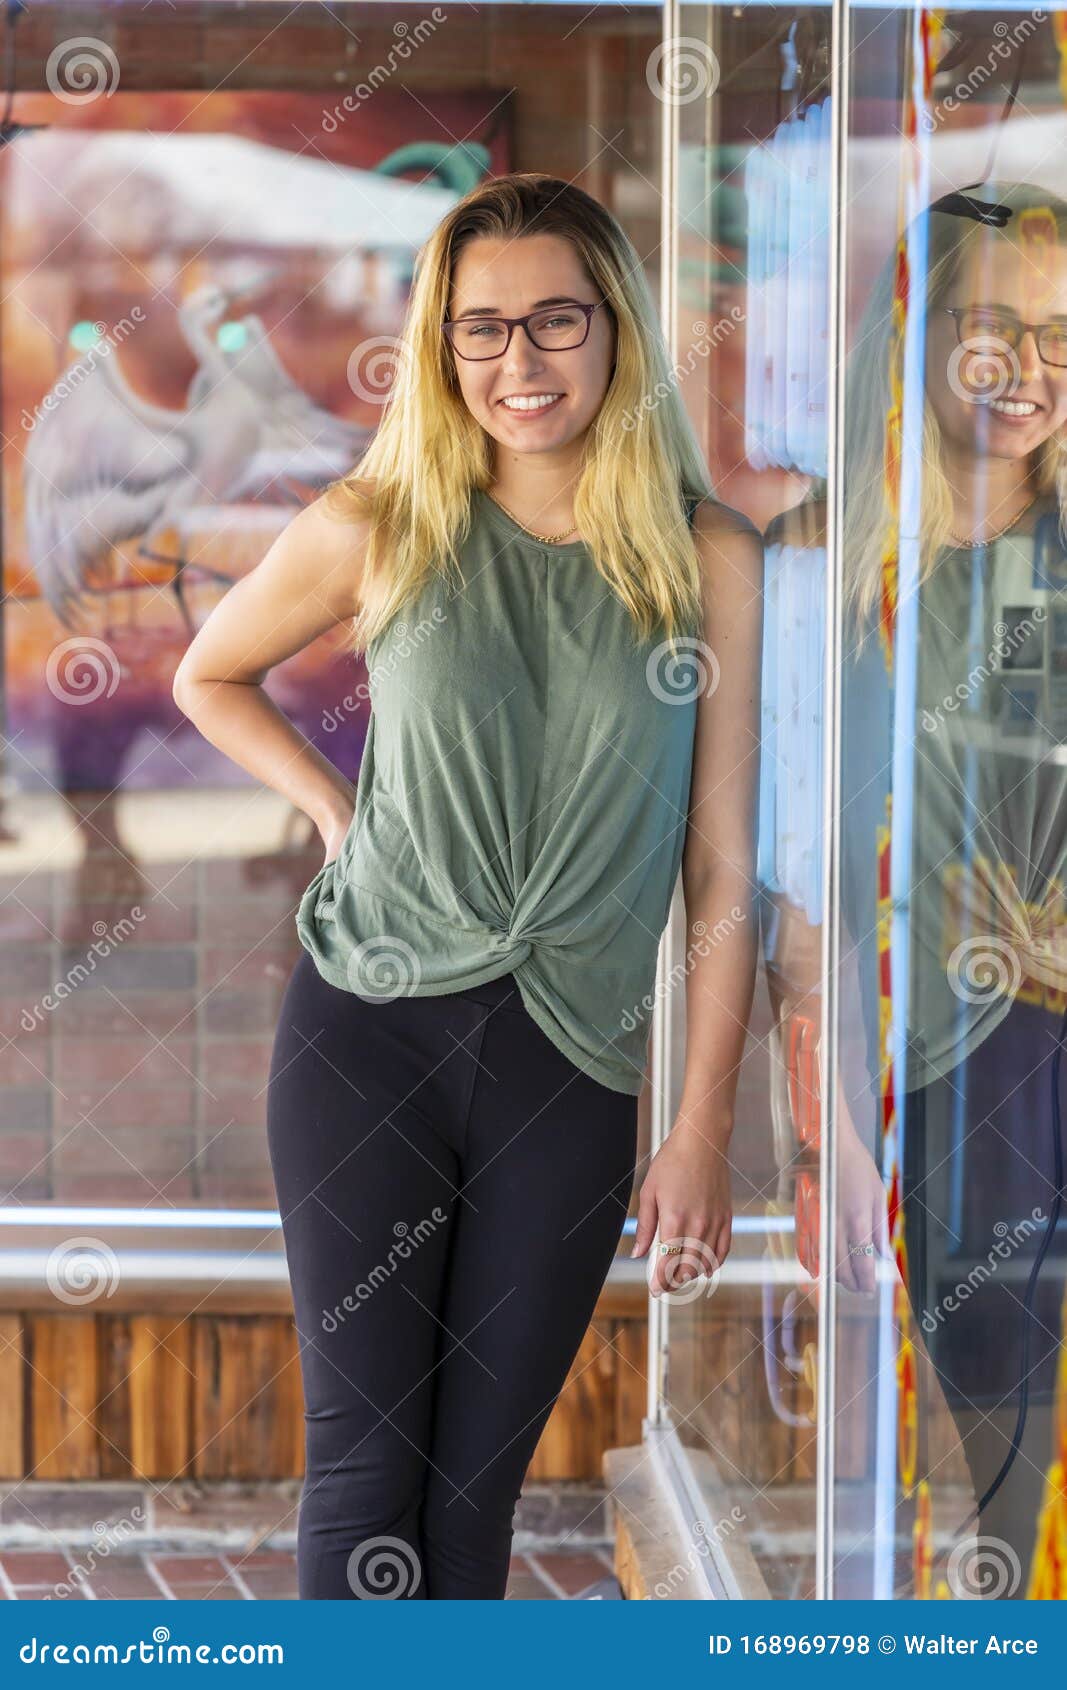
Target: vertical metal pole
{"x":831,"y":935}
{"x":665,"y":1006}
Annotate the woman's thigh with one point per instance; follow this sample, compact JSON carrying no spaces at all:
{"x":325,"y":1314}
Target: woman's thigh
{"x":361,"y":1119}
{"x":548,"y":1171}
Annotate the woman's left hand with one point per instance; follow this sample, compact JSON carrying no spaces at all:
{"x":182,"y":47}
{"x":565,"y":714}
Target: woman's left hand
{"x":686,"y":1194}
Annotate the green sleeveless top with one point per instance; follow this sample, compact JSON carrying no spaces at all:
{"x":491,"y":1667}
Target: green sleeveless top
{"x":521,"y":801}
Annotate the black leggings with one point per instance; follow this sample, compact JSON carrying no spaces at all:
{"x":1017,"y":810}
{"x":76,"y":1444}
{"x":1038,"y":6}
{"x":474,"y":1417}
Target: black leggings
{"x":452,"y":1191}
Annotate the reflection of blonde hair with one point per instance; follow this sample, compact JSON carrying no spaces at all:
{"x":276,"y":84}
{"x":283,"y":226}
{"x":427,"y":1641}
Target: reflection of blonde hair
{"x":640,"y":459}
{"x":949,"y":239}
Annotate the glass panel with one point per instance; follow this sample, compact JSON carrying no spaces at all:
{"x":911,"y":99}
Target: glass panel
{"x":953,"y":818}
{"x":950,"y":1000}
{"x":202,"y":282}
{"x":752,"y":236}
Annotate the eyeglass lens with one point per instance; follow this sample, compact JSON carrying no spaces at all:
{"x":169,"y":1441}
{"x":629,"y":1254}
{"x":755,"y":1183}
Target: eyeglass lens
{"x":486,"y":337}
{"x":991,"y":332}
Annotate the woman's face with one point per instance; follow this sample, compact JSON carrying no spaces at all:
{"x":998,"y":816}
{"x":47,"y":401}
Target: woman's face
{"x":992,"y":400}
{"x":508,"y":278}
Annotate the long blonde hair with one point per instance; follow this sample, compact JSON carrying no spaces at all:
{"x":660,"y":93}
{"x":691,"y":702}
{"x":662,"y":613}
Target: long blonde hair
{"x":642,"y":458}
{"x":949,"y":238}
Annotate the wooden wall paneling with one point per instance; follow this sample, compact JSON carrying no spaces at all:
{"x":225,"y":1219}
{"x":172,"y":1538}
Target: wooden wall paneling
{"x":114,"y":1344}
{"x":630,"y":1340}
{"x":13,"y":1421}
{"x":64,"y":1392}
{"x":249,"y":1419}
{"x":161,"y":1386}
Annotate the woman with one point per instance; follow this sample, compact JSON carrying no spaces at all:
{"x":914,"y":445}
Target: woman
{"x":967,"y":732}
{"x":453,"y":1095}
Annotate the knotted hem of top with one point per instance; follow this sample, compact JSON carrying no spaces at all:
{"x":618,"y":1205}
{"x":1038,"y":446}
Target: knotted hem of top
{"x":629,"y":1085}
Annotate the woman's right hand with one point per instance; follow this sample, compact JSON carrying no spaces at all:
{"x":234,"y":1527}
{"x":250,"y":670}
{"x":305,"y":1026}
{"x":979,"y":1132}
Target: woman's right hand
{"x":333,"y":831}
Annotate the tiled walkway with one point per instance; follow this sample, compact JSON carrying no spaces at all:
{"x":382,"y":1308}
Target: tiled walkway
{"x":31,"y":1574}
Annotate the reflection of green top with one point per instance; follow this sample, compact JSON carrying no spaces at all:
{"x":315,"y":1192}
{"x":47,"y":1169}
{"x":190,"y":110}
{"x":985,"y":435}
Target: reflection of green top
{"x":989,"y":773}
{"x":521,"y":801}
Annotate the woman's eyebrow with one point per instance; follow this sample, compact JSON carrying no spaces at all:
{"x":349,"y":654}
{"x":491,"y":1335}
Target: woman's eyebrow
{"x":494,"y":310}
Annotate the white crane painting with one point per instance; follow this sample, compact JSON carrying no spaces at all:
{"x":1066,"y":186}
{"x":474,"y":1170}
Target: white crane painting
{"x":104,"y":465}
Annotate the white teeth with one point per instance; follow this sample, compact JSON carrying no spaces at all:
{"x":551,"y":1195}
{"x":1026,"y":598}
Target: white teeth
{"x":536,"y":403}
{"x":1013,"y":407}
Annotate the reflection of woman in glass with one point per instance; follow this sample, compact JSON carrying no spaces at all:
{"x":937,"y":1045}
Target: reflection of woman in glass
{"x":983,"y":779}
{"x":452,"y":1108}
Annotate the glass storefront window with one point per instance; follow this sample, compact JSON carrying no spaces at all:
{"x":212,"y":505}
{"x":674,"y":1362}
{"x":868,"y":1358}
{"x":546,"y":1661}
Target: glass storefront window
{"x":857,"y":1393}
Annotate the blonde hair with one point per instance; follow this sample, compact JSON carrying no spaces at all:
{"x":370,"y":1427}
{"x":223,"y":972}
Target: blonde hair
{"x":642,"y":458}
{"x":949,"y":239}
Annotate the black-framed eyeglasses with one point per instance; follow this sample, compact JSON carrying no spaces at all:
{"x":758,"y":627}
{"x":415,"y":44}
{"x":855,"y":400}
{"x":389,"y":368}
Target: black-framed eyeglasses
{"x":991,"y":333}
{"x":555,"y":328}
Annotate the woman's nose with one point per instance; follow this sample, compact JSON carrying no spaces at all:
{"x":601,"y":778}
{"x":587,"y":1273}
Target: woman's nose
{"x":1029,"y":358}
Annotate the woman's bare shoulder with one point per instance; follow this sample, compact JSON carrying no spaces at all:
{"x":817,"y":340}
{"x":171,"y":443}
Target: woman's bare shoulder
{"x":803,"y":525}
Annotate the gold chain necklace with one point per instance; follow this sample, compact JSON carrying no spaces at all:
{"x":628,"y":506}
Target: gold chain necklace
{"x":972,"y":545}
{"x":546,"y":539}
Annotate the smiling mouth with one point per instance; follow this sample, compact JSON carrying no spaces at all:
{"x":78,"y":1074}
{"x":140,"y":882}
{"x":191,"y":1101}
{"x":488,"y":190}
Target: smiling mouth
{"x":529,"y":401}
{"x":1014,"y":407}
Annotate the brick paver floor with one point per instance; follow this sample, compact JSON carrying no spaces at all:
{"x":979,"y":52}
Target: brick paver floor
{"x":29,"y":1574}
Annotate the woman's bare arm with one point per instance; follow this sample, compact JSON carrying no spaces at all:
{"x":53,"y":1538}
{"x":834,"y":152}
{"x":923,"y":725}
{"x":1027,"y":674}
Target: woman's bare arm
{"x":309,"y":580}
{"x":719,"y":860}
